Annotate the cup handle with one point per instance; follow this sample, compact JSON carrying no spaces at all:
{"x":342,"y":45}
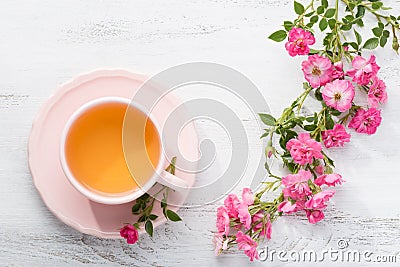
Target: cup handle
{"x":172,"y":181}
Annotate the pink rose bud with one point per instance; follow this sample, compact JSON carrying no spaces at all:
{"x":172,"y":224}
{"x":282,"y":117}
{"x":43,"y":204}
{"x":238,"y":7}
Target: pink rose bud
{"x":130,"y":233}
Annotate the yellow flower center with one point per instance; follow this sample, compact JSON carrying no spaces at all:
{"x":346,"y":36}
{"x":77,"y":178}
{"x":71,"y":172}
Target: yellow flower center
{"x":337,"y":96}
{"x":316,"y":71}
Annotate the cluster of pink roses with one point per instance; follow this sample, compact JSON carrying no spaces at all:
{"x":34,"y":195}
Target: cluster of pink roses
{"x":306,"y":189}
{"x":299,"y":196}
{"x":244,"y":220}
{"x":338,"y":92}
{"x":297,"y":191}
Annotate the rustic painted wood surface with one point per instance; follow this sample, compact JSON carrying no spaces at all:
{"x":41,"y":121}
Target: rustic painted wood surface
{"x":45,"y":43}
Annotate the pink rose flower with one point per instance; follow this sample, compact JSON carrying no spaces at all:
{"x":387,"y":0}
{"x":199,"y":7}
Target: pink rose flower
{"x":244,"y":215}
{"x":317,"y":202}
{"x":247,"y":196}
{"x":219,"y":243}
{"x":223,"y":221}
{"x":130,"y":233}
{"x":303,"y":149}
{"x":366,"y":121}
{"x":298,"y":43}
{"x":319,"y":169}
{"x":296,"y":185}
{"x":332,"y":179}
{"x":317,"y":70}
{"x":232,"y":203}
{"x":339,"y":94}
{"x":377,"y":92}
{"x":335,"y":137}
{"x":337,"y":70}
{"x":300,"y":204}
{"x":257,"y":218}
{"x":363,"y":70}
{"x":287,"y":207}
{"x":248,"y":245}
{"x":314,"y":216}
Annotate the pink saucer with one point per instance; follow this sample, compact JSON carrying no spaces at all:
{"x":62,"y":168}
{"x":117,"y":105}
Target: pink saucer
{"x":43,"y":153}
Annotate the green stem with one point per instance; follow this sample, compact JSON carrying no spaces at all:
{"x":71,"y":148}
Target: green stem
{"x":302,"y":98}
{"x":305,"y":11}
{"x":379,"y":16}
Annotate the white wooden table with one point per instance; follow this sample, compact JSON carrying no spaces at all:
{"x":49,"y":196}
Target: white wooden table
{"x":46,"y":43}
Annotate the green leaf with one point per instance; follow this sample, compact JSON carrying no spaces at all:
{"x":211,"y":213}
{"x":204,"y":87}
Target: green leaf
{"x":332,"y":23}
{"x":173,"y":216}
{"x":267,"y":119}
{"x":309,"y":14}
{"x":350,"y":18}
{"x":291,"y":166}
{"x":386,"y":33}
{"x":172,"y":166}
{"x":335,"y":112}
{"x":380,"y":25}
{"x":377,"y":5}
{"x":324,"y":3}
{"x":330,"y":13}
{"x":142,"y":218}
{"x":320,"y":10}
{"x":318,"y":95}
{"x":264,"y":134}
{"x":323,"y":24}
{"x":153,"y":217}
{"x":350,"y":6}
{"x":318,"y":138}
{"x":163,"y":203}
{"x":309,"y":25}
{"x":329,"y":160}
{"x":310,"y":119}
{"x":383,"y":41}
{"x":144,"y":197}
{"x":282,"y":142}
{"x":354,"y":45}
{"x":371,"y":43}
{"x":346,"y":27}
{"x":135,"y":208}
{"x":266,"y":166}
{"x":299,"y":121}
{"x":360,"y":22}
{"x":149,"y":228}
{"x":360,"y":11}
{"x":310,"y":127}
{"x":278,"y":36}
{"x":314,"y":19}
{"x":290,"y":135}
{"x":329,"y":123}
{"x":288,"y":25}
{"x":298,"y":8}
{"x":358,"y":37}
{"x":377,"y":31}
